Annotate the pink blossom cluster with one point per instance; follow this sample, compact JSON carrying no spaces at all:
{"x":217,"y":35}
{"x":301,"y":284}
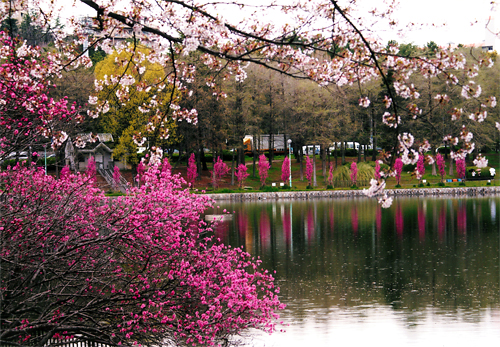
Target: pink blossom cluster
{"x":354,"y":172}
{"x":285,"y":170}
{"x":133,"y":270}
{"x":460,"y":167}
{"x":309,"y":170}
{"x":264,"y":167}
{"x":441,"y":165}
{"x":219,"y":171}
{"x":191,"y":170}
{"x":420,"y":169}
{"x":398,"y":169}
{"x":242,"y":174}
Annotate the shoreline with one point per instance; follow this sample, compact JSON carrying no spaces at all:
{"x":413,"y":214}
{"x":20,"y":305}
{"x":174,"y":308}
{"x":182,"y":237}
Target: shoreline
{"x":305,"y":195}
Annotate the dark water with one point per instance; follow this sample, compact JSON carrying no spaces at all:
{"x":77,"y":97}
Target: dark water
{"x":425,"y":272}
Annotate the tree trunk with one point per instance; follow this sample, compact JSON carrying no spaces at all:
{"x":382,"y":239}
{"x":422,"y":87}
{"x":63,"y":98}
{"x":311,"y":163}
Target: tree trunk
{"x":301,"y":160}
{"x":451,"y":167}
{"x":323,"y":160}
{"x":336,"y":154}
{"x":271,"y":150}
{"x":315,"y":183}
{"x":359,"y":152}
{"x":253,"y":160}
{"x":232,"y":169}
{"x":342,"y":152}
{"x":203,"y":159}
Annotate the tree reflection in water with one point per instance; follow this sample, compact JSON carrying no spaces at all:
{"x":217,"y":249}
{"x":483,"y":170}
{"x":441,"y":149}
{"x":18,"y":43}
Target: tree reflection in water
{"x":428,"y":262}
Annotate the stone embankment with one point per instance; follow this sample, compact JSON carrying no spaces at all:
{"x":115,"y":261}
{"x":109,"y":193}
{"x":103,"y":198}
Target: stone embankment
{"x":304,"y":195}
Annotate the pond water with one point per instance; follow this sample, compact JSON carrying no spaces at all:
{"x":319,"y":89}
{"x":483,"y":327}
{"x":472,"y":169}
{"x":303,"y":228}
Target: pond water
{"x":425,"y":272}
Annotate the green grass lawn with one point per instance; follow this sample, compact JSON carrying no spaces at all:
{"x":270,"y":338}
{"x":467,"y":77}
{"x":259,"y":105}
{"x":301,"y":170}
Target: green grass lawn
{"x":252,"y":183}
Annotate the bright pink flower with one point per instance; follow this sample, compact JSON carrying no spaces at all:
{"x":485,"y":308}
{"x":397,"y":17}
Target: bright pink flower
{"x":377,"y":170}
{"x":398,"y":168}
{"x":441,"y":165}
{"x":116,"y":177}
{"x":354,"y":172}
{"x":241,"y":174}
{"x":460,"y":167}
{"x":140,"y":261}
{"x":264,"y":167}
{"x":309,"y":170}
{"x":191,"y":170}
{"x":219,"y":171}
{"x":285,"y":170}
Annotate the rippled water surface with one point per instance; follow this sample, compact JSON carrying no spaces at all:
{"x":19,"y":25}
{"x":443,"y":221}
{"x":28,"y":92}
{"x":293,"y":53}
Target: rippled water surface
{"x":425,"y":272}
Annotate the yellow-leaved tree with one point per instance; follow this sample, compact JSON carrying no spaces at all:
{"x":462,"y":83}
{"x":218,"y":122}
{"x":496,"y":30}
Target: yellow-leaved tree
{"x":133,"y":114}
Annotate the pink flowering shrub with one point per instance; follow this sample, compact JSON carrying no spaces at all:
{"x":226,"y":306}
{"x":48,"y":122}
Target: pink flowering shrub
{"x":165,"y":166}
{"x":141,"y":169}
{"x":263,"y":169}
{"x":309,"y":170}
{"x":116,"y":178}
{"x":219,"y":171}
{"x":330,"y":175}
{"x":191,"y":170}
{"x":354,"y":173}
{"x":460,"y":167}
{"x":137,"y":265}
{"x":441,"y":165}
{"x":420,"y":169}
{"x":65,"y":172}
{"x":377,"y":170}
{"x":398,"y":168}
{"x":241,"y":174}
{"x":285,"y":170}
{"x":91,"y":169}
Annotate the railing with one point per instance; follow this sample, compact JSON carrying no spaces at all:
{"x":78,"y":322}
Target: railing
{"x":108,"y":176}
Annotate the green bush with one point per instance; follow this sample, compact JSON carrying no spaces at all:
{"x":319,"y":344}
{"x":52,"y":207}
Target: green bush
{"x":409,"y":167}
{"x":351,"y":152}
{"x":269,"y":189}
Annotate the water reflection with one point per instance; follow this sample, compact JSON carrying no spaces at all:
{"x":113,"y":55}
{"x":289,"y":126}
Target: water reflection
{"x":425,"y":270}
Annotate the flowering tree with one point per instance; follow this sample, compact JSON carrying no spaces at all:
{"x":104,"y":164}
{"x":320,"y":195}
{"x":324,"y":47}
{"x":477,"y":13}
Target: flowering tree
{"x":241,"y":174}
{"x":354,"y":173}
{"x":28,"y":115}
{"x":131,"y":270}
{"x":460,"y":167}
{"x":219,"y":171}
{"x":141,"y":169}
{"x":191,"y":170}
{"x":91,"y":169}
{"x":166,"y":166}
{"x":334,"y":50}
{"x":441,"y":165}
{"x":285,"y":170}
{"x":398,"y":168}
{"x":377,"y":170}
{"x":65,"y":172}
{"x":264,"y":167}
{"x":309,"y":170}
{"x":420,"y":169}
{"x":480,"y":162}
{"x":116,"y":177}
{"x":330,"y":175}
